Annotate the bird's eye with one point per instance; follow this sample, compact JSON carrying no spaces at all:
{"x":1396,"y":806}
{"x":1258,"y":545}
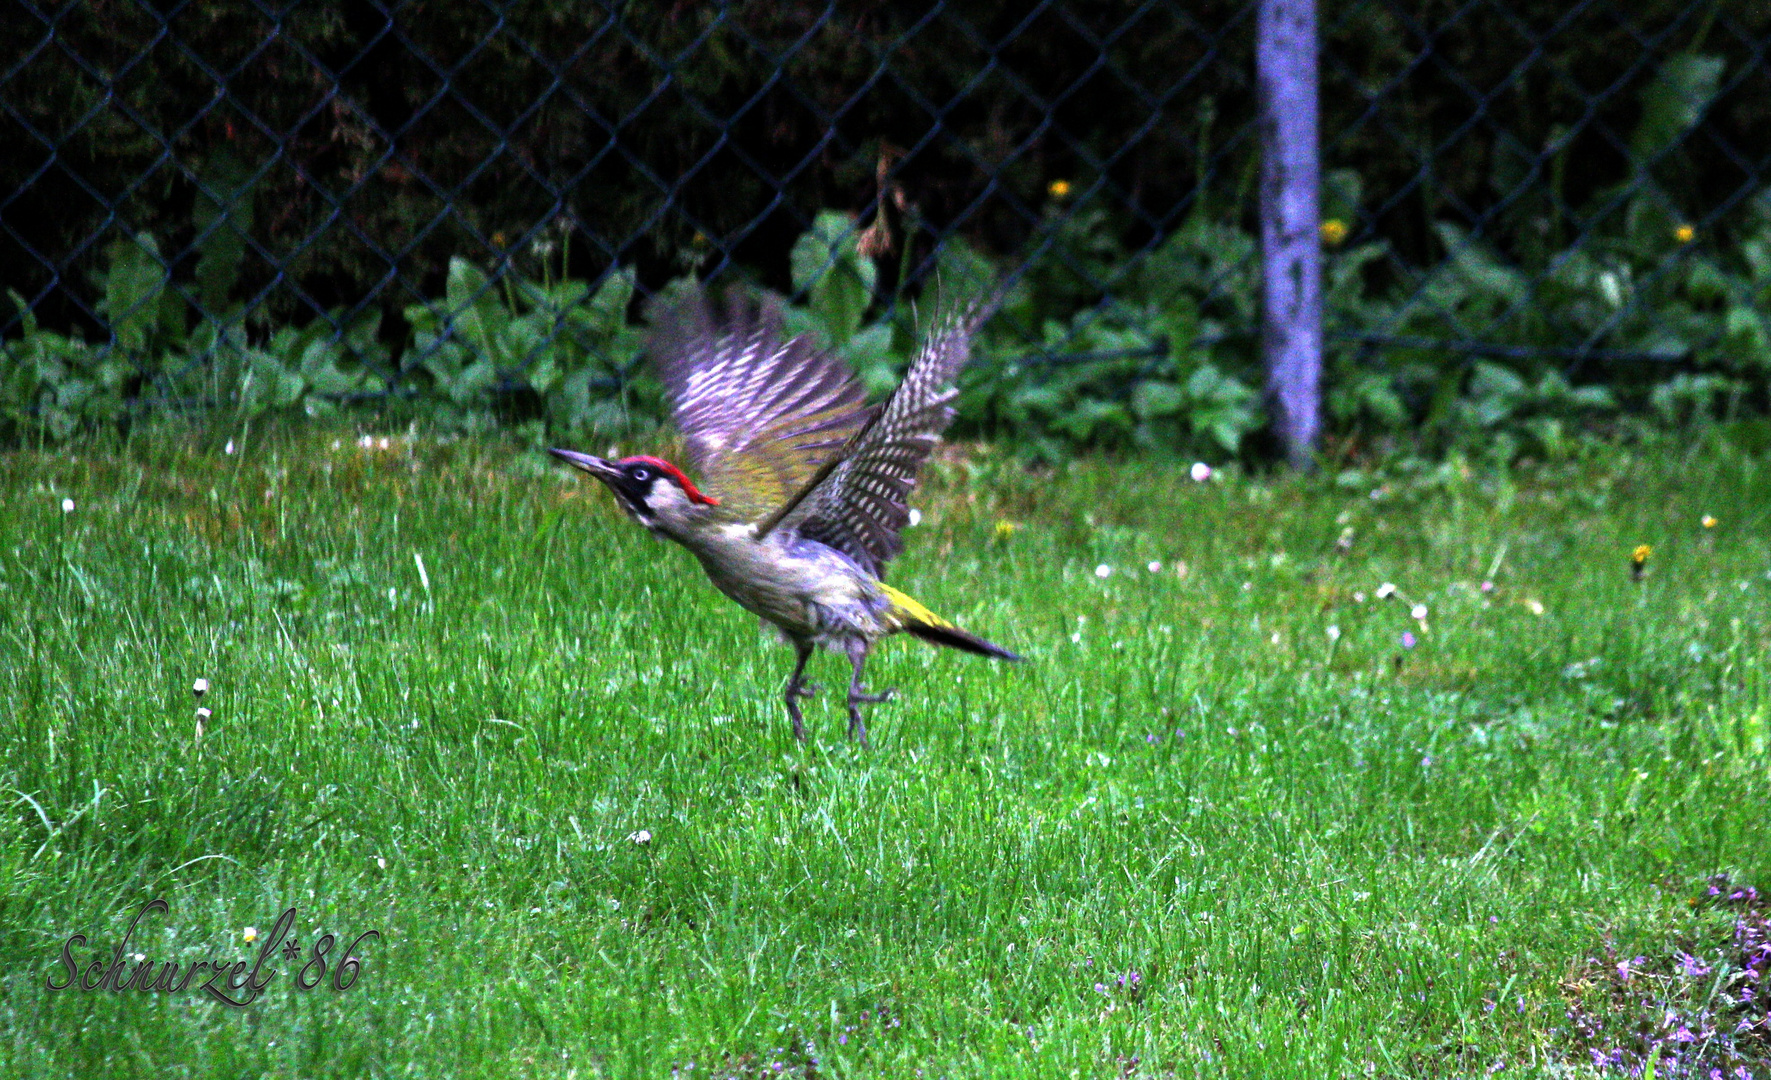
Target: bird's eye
{"x":641,"y":474}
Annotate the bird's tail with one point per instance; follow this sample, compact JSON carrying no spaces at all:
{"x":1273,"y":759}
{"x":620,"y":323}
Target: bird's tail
{"x":925,"y":624}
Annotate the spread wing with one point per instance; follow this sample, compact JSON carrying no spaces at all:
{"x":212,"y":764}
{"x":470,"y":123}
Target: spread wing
{"x":861,"y":504}
{"x":759,"y":415}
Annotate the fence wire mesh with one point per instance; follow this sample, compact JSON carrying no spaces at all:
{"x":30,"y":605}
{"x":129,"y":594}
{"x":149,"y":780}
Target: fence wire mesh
{"x":383,"y":187}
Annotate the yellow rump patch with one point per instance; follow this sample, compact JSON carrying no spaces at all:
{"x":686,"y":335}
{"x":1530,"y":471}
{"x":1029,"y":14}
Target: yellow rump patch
{"x":907,"y":607}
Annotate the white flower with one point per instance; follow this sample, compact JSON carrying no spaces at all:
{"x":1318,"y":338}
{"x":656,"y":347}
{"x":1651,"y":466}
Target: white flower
{"x":915,"y":516}
{"x":380,"y":863}
{"x":1334,"y":633}
{"x":229,"y":448}
{"x":642,"y":837}
{"x":1155,"y":567}
{"x":1386,"y":590}
{"x":250,"y":933}
{"x":1103,"y":571}
{"x":203,"y":714}
{"x":200,"y":687}
{"x":1418,"y":613}
{"x":1200,"y":472}
{"x":67,"y":506}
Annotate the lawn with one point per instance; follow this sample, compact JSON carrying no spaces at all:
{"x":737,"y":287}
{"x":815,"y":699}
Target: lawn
{"x":1389,"y":774}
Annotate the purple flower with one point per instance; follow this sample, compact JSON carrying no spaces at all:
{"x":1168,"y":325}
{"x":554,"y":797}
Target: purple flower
{"x":1408,"y":639}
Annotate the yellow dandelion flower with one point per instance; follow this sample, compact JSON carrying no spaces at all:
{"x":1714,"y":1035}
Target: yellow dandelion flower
{"x":1059,"y":189}
{"x":1709,"y":522}
{"x":1639,"y":561}
{"x":1005,"y":529}
{"x":1684,"y":234}
{"x":1334,"y":230}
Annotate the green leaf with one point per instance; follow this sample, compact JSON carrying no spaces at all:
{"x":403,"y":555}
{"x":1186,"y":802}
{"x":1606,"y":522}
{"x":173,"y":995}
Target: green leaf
{"x":609,"y":306}
{"x":223,"y":218}
{"x":838,"y":283}
{"x":1479,"y":268}
{"x":869,"y":355}
{"x":132,"y":288}
{"x":27,"y":317}
{"x":321,"y":368}
{"x":1495,"y":393}
{"x":1093,"y":419}
{"x":1746,"y":338}
{"x":1674,"y":102}
{"x":1152,"y":398}
{"x":479,"y":315}
{"x":963,"y":275}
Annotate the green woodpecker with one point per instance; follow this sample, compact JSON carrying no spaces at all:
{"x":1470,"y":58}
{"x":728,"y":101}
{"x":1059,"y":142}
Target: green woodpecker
{"x":803,"y":486}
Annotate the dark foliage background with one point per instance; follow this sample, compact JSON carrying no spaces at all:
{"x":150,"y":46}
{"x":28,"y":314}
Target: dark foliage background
{"x":330,"y":160}
{"x":380,"y":140}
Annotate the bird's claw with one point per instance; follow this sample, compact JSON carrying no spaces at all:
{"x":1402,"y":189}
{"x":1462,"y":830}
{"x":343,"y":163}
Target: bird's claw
{"x":872,"y":699}
{"x":803,"y":690}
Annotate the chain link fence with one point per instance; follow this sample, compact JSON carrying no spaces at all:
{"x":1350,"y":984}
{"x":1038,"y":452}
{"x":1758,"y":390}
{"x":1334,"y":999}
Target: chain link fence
{"x":359,"y":199}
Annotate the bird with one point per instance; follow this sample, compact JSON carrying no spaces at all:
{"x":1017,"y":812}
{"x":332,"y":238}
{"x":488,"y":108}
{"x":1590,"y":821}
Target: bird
{"x":803,"y":488}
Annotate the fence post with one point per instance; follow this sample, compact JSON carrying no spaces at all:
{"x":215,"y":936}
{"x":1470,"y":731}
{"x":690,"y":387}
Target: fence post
{"x":1291,"y":268}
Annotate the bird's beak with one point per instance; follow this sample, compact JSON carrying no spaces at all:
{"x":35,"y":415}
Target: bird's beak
{"x":590,"y":463}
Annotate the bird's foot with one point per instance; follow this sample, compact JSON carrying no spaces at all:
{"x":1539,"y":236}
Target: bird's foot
{"x":857,"y":729}
{"x":795,"y":691}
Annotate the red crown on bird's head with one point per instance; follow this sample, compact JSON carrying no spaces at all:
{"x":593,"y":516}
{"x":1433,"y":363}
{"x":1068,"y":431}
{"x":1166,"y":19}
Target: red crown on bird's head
{"x":674,"y":473}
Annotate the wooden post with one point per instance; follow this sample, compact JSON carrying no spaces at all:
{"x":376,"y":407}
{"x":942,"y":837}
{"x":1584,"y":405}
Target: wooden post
{"x":1291,"y":265}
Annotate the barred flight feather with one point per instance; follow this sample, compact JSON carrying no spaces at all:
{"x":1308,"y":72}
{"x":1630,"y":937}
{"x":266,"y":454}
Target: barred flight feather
{"x":758,"y":416}
{"x":862,"y":506}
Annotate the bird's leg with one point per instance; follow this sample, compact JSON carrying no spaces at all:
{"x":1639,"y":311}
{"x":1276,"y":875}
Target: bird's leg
{"x":858,"y":695}
{"x":798,"y":688}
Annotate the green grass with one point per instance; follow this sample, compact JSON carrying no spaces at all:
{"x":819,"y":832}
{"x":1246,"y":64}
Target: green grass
{"x":1321,"y":858}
